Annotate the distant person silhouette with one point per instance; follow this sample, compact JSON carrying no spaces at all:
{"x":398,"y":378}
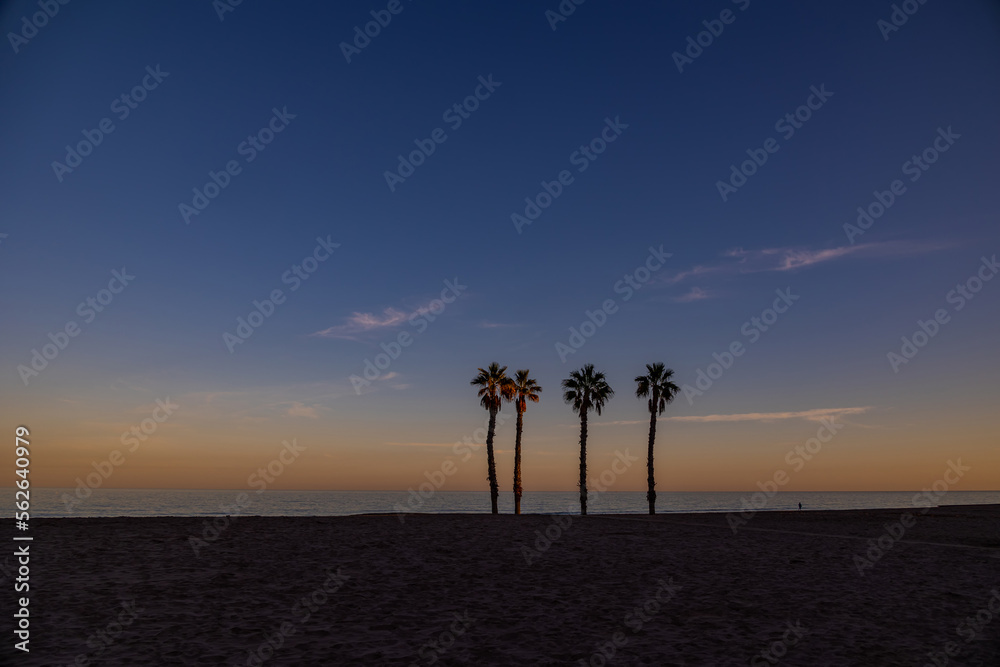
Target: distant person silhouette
{"x":800,"y":505}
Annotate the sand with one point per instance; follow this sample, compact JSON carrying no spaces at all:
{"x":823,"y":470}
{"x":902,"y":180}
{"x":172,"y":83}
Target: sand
{"x":676,"y":589}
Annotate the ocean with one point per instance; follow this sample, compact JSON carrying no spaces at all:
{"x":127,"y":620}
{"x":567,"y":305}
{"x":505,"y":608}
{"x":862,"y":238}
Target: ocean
{"x":55,"y":502}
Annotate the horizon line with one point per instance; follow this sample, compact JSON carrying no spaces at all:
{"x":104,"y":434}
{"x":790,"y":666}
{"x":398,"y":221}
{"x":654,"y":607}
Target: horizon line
{"x":436,"y":491}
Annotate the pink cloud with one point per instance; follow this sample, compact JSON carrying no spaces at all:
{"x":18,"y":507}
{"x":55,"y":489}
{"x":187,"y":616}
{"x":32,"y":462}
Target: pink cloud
{"x":696,"y":294}
{"x":791,"y":258}
{"x":360,"y":323}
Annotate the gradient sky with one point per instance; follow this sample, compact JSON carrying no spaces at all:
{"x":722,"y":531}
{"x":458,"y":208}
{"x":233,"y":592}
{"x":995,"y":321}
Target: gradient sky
{"x":655,"y":185}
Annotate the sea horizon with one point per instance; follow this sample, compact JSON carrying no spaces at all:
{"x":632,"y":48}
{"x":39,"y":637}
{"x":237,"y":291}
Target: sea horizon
{"x":52,"y":502}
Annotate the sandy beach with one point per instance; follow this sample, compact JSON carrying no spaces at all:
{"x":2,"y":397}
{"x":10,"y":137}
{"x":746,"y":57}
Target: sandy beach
{"x":791,"y":588}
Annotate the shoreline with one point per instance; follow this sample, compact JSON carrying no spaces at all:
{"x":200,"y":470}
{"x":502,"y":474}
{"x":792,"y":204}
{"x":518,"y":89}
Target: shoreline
{"x":390,"y":513}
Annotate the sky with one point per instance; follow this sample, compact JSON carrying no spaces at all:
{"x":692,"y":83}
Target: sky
{"x":616,"y":185}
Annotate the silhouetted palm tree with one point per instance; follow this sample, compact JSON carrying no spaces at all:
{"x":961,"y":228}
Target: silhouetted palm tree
{"x":525,"y":389}
{"x":586,"y":390}
{"x":494,"y":388}
{"x":655,"y":384}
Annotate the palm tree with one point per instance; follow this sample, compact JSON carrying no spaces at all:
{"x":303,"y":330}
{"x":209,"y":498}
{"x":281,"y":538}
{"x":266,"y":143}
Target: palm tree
{"x":655,"y":384}
{"x":525,"y":389}
{"x":494,"y":388}
{"x":586,"y":390}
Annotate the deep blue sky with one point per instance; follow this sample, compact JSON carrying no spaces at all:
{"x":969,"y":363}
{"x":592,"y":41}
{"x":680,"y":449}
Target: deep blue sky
{"x":656,"y":184}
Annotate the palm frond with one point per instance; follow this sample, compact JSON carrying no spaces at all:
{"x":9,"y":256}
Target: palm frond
{"x":658,"y":386}
{"x":587,"y":389}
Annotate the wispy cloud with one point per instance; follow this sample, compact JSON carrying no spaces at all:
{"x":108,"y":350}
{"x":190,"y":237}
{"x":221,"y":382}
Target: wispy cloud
{"x":437,"y":445}
{"x":696,"y":294}
{"x":361,"y":323}
{"x":699,"y":270}
{"x":302,"y":410}
{"x":785,"y":259}
{"x":372,"y":386}
{"x":122,"y":383}
{"x":263,"y":403}
{"x":809,"y":415}
{"x":738,"y":260}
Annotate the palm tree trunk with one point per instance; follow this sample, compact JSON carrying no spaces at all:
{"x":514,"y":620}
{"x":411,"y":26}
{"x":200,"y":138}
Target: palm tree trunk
{"x":517,"y":464}
{"x":650,"y":479}
{"x":583,"y":463}
{"x":491,"y":463}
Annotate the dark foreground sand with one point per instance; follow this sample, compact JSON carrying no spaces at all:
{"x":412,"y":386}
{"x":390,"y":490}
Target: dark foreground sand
{"x":666,"y":590}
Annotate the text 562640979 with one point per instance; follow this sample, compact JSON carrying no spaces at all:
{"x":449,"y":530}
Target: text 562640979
{"x":22,"y":505}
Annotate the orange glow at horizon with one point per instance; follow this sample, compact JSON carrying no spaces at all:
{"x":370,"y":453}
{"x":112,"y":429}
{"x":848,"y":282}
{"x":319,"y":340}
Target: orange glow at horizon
{"x":187,"y":451}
